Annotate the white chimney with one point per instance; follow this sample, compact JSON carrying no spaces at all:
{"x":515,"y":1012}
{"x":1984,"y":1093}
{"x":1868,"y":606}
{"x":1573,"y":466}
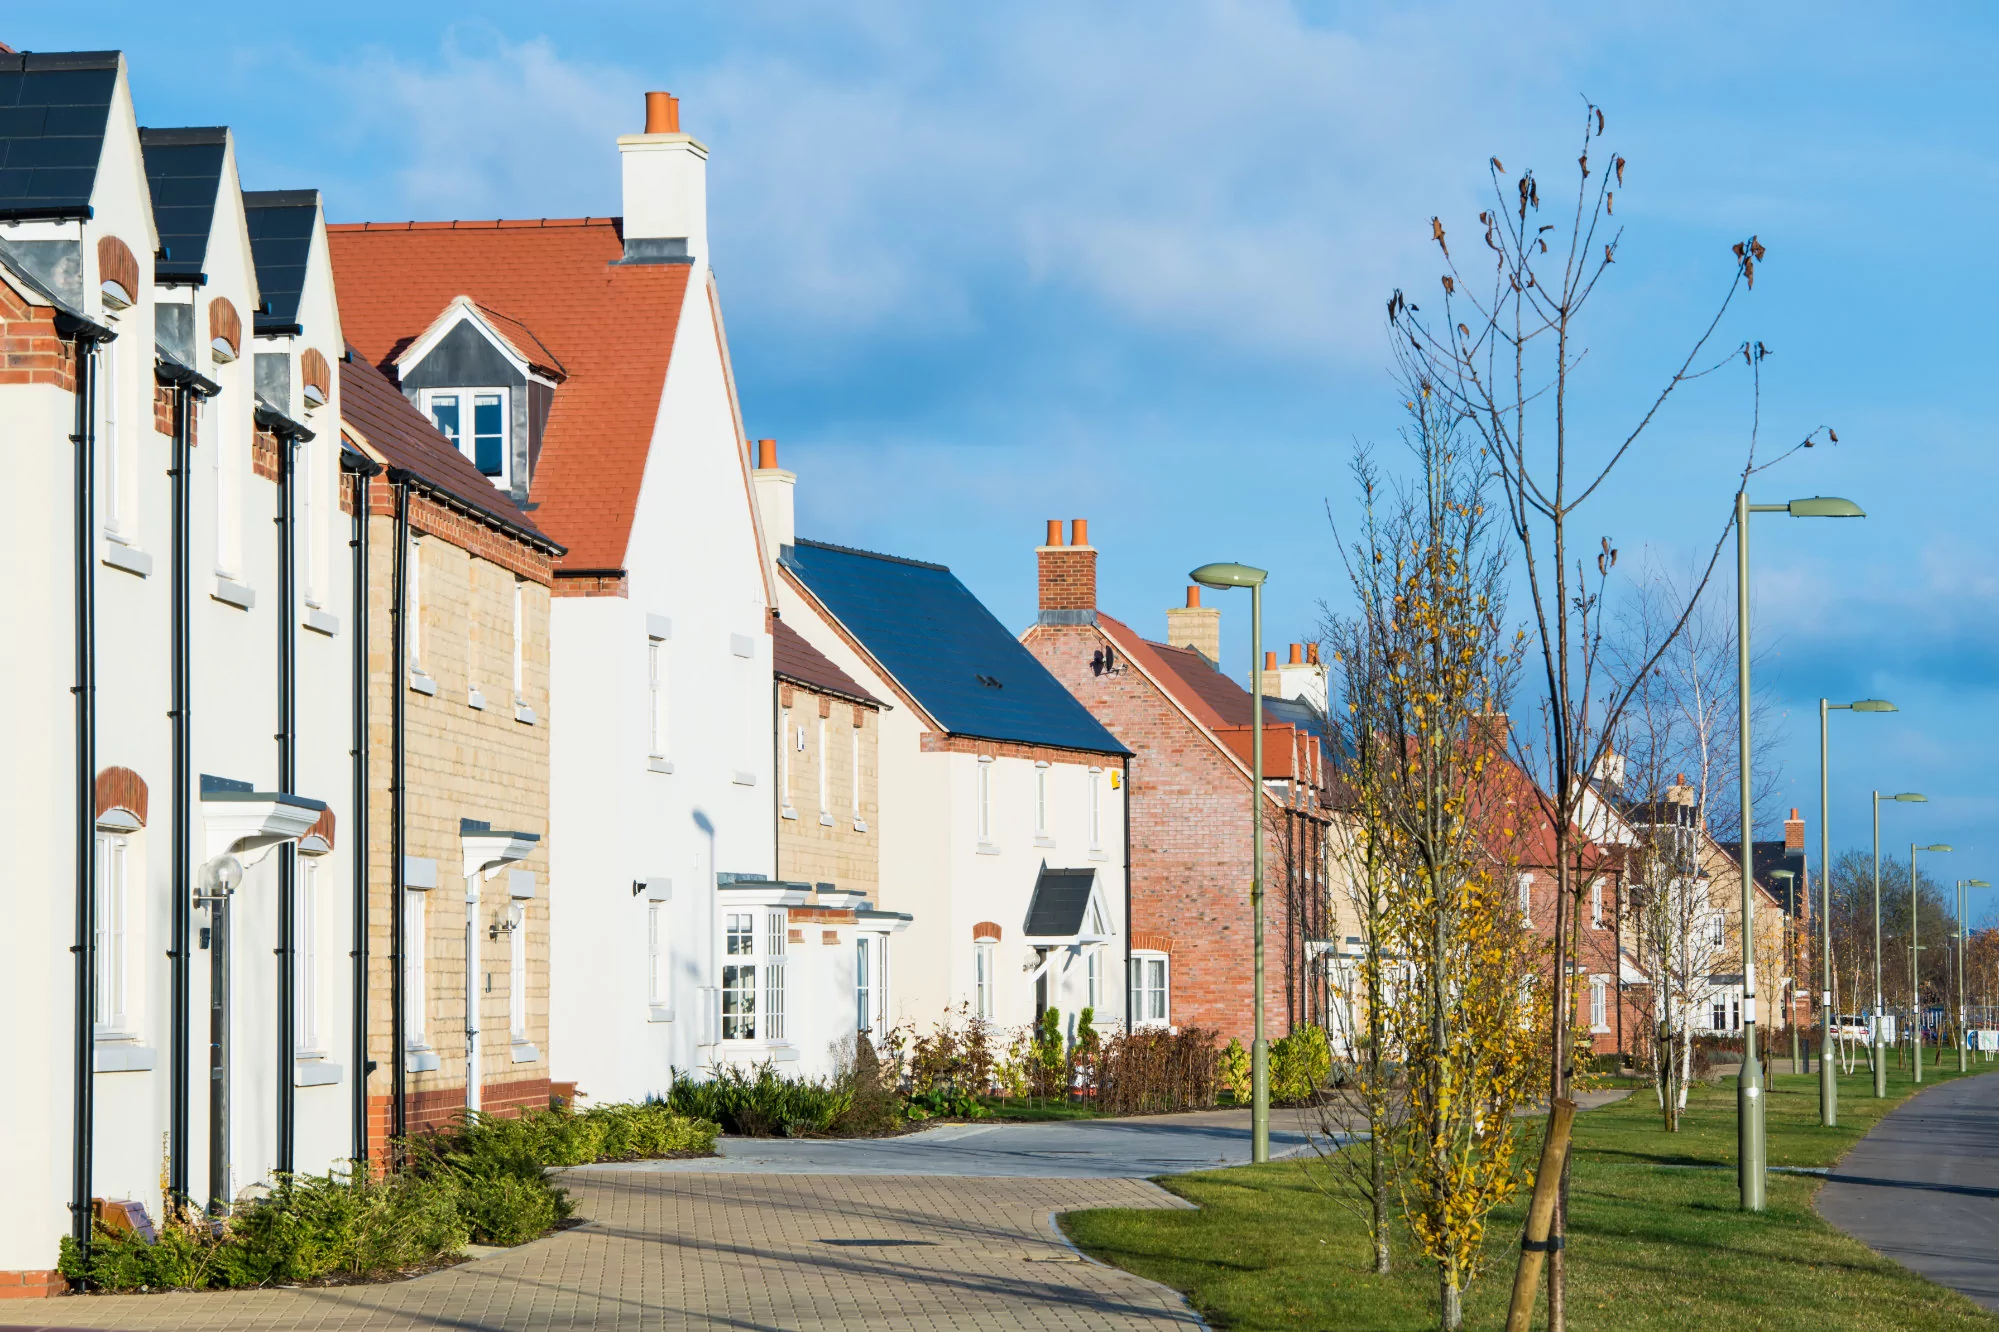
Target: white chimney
{"x":666,"y":188}
{"x":774,"y":487}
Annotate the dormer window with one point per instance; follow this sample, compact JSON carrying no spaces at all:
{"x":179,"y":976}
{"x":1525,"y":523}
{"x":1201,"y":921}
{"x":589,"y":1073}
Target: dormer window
{"x":476,"y":421}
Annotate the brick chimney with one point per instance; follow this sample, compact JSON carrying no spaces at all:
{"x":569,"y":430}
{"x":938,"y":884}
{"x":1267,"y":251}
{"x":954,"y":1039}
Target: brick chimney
{"x":666,"y":188}
{"x":774,"y":488}
{"x":1068,"y":575}
{"x":1196,"y":626}
{"x":1794,"y":833}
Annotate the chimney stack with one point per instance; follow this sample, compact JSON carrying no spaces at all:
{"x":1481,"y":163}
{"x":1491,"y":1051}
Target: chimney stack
{"x":774,"y":490}
{"x":1068,"y":575}
{"x":1794,"y":833}
{"x":666,"y":188}
{"x":1196,"y":626}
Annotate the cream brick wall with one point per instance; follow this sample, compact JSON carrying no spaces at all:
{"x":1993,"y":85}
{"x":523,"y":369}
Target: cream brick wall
{"x":810,"y":850}
{"x":462,"y":762}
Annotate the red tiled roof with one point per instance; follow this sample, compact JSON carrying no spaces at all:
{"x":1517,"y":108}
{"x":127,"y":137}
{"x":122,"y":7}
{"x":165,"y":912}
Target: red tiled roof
{"x":611,"y":326}
{"x":1197,"y":686}
{"x":794,"y":659}
{"x":391,"y":427}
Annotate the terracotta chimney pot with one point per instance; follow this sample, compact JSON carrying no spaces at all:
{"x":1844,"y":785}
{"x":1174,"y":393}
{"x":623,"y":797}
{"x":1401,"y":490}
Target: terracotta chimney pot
{"x":1270,"y":661}
{"x":1312,"y":653}
{"x":1193,"y":596}
{"x":1297,"y":654}
{"x":662,"y":113}
{"x":766,"y":454}
{"x":1079,"y":531}
{"x":1054,"y":532}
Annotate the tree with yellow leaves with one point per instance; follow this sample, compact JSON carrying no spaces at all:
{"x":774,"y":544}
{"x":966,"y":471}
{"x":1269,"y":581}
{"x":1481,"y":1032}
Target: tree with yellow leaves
{"x":1457,"y":1001}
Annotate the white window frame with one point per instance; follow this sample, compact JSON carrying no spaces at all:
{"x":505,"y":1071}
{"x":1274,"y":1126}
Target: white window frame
{"x":1599,"y":1004}
{"x":777,"y":925}
{"x":1041,"y":799}
{"x":1096,"y":809}
{"x":864,"y":983}
{"x":305,"y":485}
{"x":1526,"y":891}
{"x":110,"y":981}
{"x":416,"y":909}
{"x":413,"y":612}
{"x":466,"y":442}
{"x":1718,"y":930}
{"x":111,"y":444}
{"x":657,"y":668}
{"x":517,"y":973}
{"x":1093,"y":978}
{"x":985,"y":801}
{"x":306,"y":907}
{"x":1596,"y":904}
{"x":520,"y":644}
{"x":658,"y":979}
{"x":854,"y":736}
{"x":740,"y":979}
{"x":786,"y":742}
{"x":984,"y":959}
{"x":825,"y":778}
{"x":1146,"y":967}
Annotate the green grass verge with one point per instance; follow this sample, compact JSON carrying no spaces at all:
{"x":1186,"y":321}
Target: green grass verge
{"x":1023,"y":1109}
{"x":1655,"y":1237}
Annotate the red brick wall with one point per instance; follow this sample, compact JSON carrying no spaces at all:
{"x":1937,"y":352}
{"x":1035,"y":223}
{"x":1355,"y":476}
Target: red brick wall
{"x":427,"y":1111}
{"x":30,"y":351}
{"x":1190,"y":851}
{"x":32,"y":1285}
{"x":1068,"y":577}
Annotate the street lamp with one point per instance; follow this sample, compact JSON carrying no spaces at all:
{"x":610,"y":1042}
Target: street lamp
{"x":1222,"y":577}
{"x":1915,"y":994}
{"x":1749,"y":1086}
{"x":1828,"y":1075}
{"x":1963,"y":1028}
{"x":1880,"y":1046}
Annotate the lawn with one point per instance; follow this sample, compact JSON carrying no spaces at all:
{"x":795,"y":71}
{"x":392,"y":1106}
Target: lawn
{"x":1655,"y":1236}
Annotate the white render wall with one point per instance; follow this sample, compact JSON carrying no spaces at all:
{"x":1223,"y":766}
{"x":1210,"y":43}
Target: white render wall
{"x":694,"y":566}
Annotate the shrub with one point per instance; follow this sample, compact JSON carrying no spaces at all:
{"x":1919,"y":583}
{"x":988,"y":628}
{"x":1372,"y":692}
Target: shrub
{"x":1300,"y":1064}
{"x":1235,"y":1071}
{"x":1156,"y":1071}
{"x":954,"y":1061}
{"x":876,"y":1105}
{"x":765,"y":1104}
{"x":1048,"y":1063}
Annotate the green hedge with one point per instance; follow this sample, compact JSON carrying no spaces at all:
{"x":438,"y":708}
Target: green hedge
{"x":484,"y":1181}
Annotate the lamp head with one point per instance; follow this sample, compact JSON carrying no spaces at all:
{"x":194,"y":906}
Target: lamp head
{"x":1976,"y":883}
{"x":220,"y":876}
{"x":1937,"y":846}
{"x":1825,"y":506}
{"x":1911,"y":796}
{"x":1783,"y":874}
{"x":1873,"y":705}
{"x":1229,"y":575}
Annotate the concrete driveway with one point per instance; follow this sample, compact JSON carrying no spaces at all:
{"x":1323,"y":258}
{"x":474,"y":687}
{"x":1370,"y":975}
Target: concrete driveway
{"x":1923,"y":1187}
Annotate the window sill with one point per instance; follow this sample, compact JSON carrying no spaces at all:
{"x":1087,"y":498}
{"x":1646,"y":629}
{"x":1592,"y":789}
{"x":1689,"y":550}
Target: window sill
{"x":475,"y":700}
{"x":1098,"y":853}
{"x":116,"y":1056}
{"x":524,"y":714}
{"x":421,"y":1061}
{"x":320,"y":622}
{"x":423,"y":684}
{"x":658,"y":1013}
{"x":777,"y":1052}
{"x":315,"y":1072}
{"x":232,"y":593}
{"x":988,"y":848}
{"x":522,"y":1052}
{"x":658,"y":764}
{"x":825,"y":820}
{"x":741,"y":778}
{"x":129,"y":558}
{"x":1042,"y":839}
{"x":787,"y":813}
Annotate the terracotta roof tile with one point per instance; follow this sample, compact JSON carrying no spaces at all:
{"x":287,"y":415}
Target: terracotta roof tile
{"x":611,"y":326}
{"x":1197,"y":686}
{"x":794,"y":659}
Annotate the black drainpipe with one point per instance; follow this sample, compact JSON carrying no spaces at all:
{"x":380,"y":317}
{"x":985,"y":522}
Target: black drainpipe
{"x":1130,"y":1018}
{"x":398,"y":710}
{"x":85,"y":338}
{"x":358,"y":832}
{"x":287,"y":737}
{"x":187,"y":388}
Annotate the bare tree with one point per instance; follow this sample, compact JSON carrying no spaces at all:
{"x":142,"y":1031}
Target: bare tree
{"x":1504,"y":356}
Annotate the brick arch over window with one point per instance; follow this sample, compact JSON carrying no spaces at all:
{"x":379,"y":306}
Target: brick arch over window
{"x":322,"y":828}
{"x":224,"y":323}
{"x":1151,"y":941}
{"x":115,"y":263}
{"x":315,"y":373}
{"x":121,"y":788}
{"x":985,"y":929}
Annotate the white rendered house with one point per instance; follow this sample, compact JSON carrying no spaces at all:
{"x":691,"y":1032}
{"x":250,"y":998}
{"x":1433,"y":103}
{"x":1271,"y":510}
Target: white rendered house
{"x":181,"y":757}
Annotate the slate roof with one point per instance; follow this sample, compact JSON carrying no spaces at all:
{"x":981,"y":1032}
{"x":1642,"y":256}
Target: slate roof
{"x":941,"y":644}
{"x":1774,"y":855}
{"x":53,"y":109}
{"x":794,"y":659}
{"x":280,"y":243}
{"x":183,"y":173}
{"x":611,"y":326}
{"x":1061,"y":897}
{"x":390,"y":427}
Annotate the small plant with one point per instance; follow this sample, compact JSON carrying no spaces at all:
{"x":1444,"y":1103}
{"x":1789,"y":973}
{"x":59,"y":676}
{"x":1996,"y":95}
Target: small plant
{"x":1300,"y":1064}
{"x":1050,"y":1063}
{"x":1156,"y":1071}
{"x":1235,"y":1070}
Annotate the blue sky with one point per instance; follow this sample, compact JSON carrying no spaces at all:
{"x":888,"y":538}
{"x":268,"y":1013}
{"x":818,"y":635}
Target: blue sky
{"x":989,"y":265}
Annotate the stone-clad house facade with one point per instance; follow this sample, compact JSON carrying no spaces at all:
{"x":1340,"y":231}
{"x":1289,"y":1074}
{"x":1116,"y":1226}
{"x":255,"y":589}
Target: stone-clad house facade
{"x":465,"y":715}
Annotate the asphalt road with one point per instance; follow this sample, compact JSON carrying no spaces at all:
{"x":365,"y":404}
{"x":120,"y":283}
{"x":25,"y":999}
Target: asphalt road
{"x":1923,"y":1187}
{"x":1068,"y":1149}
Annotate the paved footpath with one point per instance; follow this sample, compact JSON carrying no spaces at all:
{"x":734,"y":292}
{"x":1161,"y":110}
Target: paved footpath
{"x":1923,"y":1187}
{"x":950,"y":1228}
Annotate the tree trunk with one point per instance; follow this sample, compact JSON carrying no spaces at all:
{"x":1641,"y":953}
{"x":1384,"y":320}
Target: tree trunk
{"x":1451,"y":1309}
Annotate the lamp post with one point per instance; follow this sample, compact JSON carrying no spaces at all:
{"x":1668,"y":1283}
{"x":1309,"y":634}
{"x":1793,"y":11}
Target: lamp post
{"x":1915,"y":949}
{"x":1963,"y":1026}
{"x":1222,"y":576}
{"x":1880,"y":1046}
{"x":1828,"y":1075}
{"x":1749,"y":1086}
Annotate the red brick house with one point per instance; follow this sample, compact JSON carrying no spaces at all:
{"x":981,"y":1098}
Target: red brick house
{"x":1188,"y":726}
